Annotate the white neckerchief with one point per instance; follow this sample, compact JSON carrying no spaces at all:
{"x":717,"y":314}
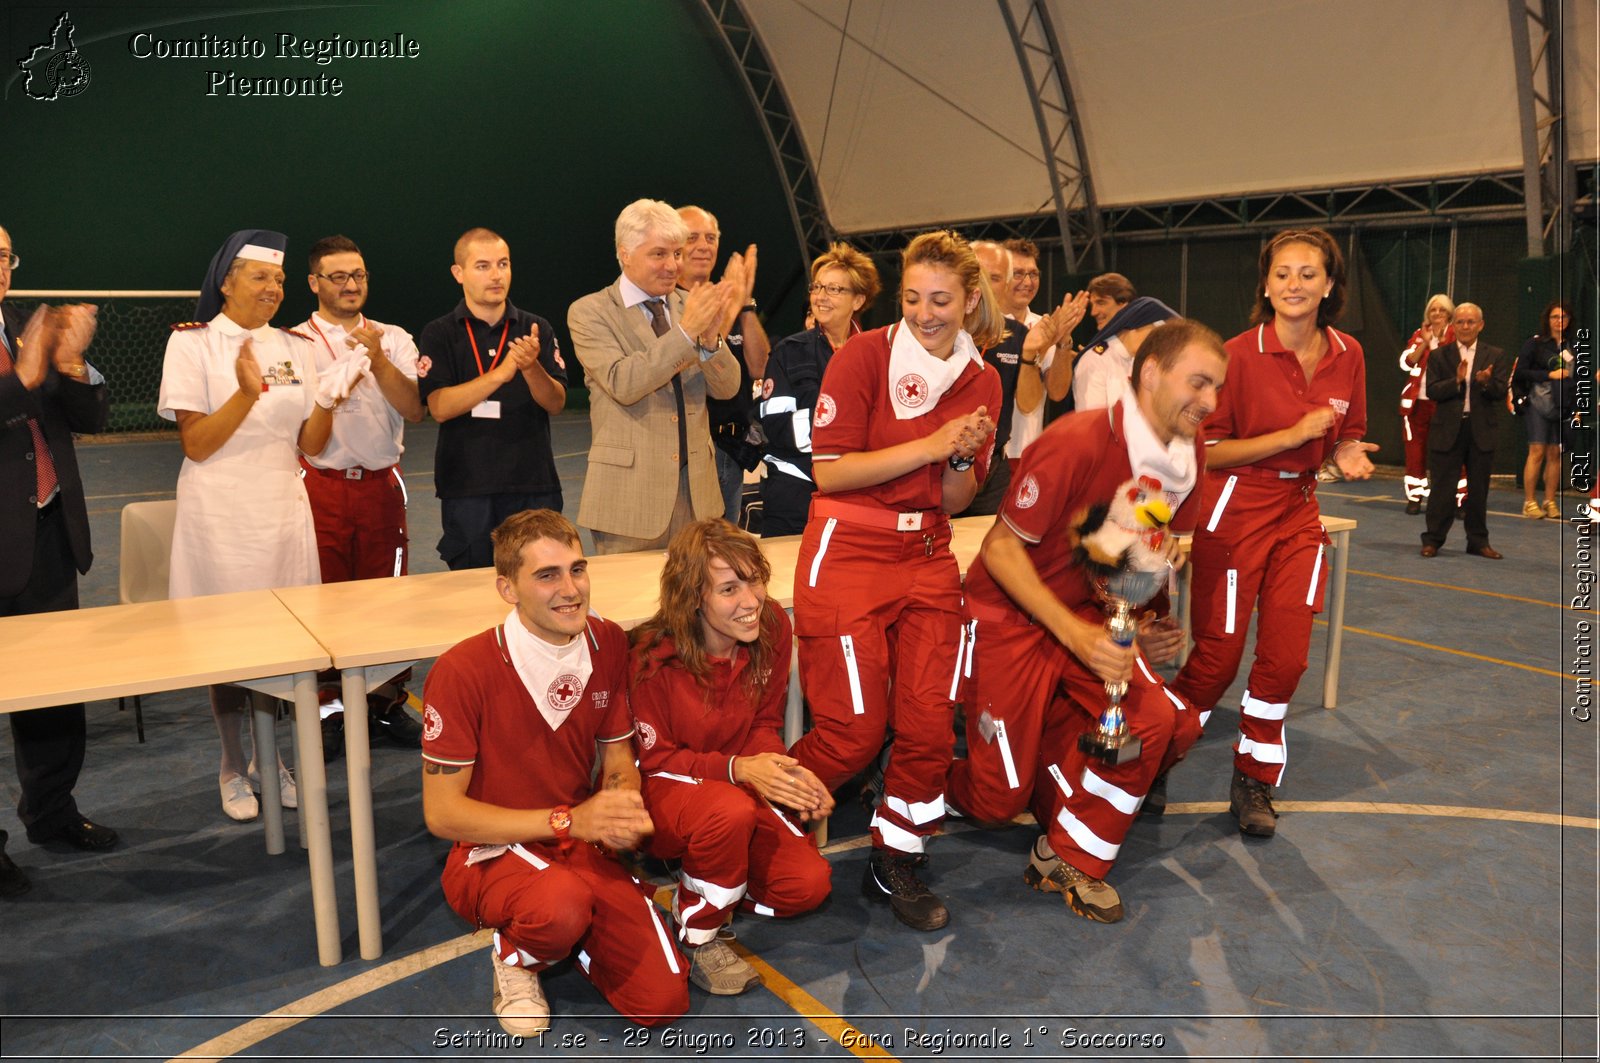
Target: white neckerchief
{"x":554,"y":676}
{"x":918,"y":380}
{"x":1170,"y":464}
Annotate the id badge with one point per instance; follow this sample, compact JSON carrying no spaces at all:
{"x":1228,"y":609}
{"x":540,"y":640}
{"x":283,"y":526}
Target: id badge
{"x":489,"y":408}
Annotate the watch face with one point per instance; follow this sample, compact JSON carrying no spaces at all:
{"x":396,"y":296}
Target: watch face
{"x":561,"y":821}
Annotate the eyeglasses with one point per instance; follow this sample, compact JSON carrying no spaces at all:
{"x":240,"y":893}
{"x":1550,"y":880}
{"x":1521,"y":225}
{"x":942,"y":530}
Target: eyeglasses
{"x":342,"y":278}
{"x":10,"y":261}
{"x":1024,"y":274}
{"x":835,"y":290}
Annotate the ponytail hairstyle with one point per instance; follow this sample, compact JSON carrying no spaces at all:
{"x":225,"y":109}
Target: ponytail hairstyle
{"x":950,"y":251}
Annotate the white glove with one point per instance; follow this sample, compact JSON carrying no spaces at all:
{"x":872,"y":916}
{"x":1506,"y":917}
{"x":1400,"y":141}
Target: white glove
{"x":339,"y":378}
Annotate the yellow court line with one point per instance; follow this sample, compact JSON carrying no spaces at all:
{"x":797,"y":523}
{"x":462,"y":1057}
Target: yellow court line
{"x":1375,"y":808}
{"x":1458,"y":653}
{"x":1464,"y":590}
{"x":292,"y":1014}
{"x":804,"y":1004}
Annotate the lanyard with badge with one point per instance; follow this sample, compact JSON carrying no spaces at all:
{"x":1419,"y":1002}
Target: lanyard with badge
{"x":489,"y":408}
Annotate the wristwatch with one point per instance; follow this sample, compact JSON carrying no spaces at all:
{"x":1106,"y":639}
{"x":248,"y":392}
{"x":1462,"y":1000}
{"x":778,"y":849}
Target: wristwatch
{"x":960,"y":464}
{"x":561,"y":822}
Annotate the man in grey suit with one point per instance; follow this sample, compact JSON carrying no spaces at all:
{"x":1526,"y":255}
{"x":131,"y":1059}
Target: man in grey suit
{"x":651,"y":354}
{"x":1468,"y":381}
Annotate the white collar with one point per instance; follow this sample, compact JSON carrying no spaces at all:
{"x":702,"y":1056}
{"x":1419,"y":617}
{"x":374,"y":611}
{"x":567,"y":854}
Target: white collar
{"x":633,"y":295}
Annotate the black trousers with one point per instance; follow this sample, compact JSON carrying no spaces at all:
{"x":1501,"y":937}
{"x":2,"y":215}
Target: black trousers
{"x":48,"y":743}
{"x":1444,"y":468}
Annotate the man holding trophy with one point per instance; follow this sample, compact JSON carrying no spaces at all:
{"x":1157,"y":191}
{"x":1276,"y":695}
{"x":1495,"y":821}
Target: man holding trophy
{"x":1090,"y":515}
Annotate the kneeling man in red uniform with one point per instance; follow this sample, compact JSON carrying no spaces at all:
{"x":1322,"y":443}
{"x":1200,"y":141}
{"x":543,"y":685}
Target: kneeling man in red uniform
{"x":511,"y":723}
{"x":1041,"y":655}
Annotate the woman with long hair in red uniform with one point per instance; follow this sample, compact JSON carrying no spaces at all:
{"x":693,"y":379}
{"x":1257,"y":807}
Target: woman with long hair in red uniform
{"x":1296,"y":399}
{"x":1416,"y":409}
{"x":903,"y":435}
{"x":710,"y":682}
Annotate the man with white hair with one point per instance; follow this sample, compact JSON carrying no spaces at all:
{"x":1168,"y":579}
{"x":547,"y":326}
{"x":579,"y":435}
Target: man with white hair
{"x":651,"y":354}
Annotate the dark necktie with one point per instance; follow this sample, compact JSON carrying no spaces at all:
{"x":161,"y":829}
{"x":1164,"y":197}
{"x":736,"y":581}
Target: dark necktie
{"x":44,"y":466}
{"x":658,"y":322}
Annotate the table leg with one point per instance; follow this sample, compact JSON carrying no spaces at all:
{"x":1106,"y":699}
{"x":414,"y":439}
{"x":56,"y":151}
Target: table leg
{"x":264,"y":720}
{"x":363,"y":843}
{"x":315,"y":833}
{"x":1185,"y":600}
{"x":300,"y":807}
{"x":1336,"y":582}
{"x":794,"y":716}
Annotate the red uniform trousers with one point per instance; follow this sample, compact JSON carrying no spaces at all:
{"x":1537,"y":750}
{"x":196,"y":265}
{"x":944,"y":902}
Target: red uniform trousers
{"x":1414,"y":426}
{"x":545,"y":905}
{"x":736,"y":849}
{"x":1040,"y":699}
{"x":877,"y":614}
{"x":1260,"y":545}
{"x":361,"y":523}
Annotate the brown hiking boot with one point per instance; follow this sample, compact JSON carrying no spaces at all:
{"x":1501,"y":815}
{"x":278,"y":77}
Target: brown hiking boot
{"x":1250,"y":801}
{"x":892,"y":877}
{"x":1089,"y":897}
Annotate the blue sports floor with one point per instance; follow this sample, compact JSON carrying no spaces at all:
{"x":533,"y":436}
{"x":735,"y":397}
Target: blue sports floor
{"x":1431,"y":893}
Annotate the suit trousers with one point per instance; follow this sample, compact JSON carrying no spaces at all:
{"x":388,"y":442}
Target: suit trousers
{"x":1441,"y":515}
{"x":48,"y":743}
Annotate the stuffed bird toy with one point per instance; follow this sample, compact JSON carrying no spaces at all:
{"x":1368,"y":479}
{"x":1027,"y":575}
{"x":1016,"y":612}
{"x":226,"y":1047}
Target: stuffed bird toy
{"x":1127,"y":532}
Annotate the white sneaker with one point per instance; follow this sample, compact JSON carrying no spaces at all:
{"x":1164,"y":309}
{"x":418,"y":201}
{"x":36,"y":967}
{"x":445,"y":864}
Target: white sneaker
{"x":288,"y":796}
{"x":237,"y":800}
{"x":519,"y":1001}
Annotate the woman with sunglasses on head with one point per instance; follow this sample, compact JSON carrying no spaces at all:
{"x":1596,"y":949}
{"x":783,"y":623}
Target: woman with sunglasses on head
{"x":844,"y":282}
{"x":902,"y":438}
{"x":1296,"y":400}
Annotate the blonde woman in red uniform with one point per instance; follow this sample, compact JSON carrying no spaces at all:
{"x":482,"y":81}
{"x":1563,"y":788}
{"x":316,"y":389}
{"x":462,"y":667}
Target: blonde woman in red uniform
{"x":1296,"y":398}
{"x":710,"y":681}
{"x":902,"y":437}
{"x":1416,"y":409}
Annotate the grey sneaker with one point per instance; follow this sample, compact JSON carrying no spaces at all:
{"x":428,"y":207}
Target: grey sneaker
{"x":1250,"y":801}
{"x":1089,"y":897}
{"x":720,"y":971}
{"x":519,"y":1001}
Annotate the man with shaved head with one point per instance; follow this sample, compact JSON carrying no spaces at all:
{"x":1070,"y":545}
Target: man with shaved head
{"x":1468,"y":381}
{"x":492,"y":376}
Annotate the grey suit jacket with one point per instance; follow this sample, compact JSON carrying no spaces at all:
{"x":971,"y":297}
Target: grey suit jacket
{"x":1483,"y":420}
{"x":632,"y":480}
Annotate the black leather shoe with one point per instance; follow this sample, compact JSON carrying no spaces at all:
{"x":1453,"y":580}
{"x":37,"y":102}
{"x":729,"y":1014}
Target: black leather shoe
{"x":392,"y":721}
{"x":13,"y":883}
{"x":80,"y":833}
{"x":1413,"y":508}
{"x":332,"y":737}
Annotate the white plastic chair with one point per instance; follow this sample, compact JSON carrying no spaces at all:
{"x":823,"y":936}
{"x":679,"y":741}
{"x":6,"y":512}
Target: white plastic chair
{"x":146,"y":558}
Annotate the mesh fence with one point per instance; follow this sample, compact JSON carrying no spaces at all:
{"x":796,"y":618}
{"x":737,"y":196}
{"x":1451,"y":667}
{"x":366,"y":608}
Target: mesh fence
{"x":129,"y":342}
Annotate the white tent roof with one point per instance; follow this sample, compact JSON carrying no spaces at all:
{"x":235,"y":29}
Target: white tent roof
{"x":916,"y":110}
